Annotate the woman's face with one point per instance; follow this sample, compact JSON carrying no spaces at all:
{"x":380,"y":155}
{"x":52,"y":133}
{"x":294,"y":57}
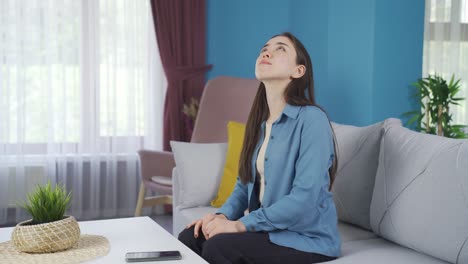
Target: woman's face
{"x":277,"y":61}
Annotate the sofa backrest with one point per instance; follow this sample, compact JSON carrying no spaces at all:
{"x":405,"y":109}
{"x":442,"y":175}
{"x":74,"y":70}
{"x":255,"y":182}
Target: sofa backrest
{"x":420,"y":197}
{"x":224,"y":99}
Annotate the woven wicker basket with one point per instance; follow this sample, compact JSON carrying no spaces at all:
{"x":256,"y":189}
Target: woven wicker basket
{"x":48,"y":237}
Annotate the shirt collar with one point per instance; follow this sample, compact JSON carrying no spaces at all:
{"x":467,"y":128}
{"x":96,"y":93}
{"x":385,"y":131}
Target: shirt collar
{"x":290,"y":111}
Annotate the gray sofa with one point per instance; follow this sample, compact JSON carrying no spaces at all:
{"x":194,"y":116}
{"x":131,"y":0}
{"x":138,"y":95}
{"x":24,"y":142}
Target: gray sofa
{"x":401,"y":196}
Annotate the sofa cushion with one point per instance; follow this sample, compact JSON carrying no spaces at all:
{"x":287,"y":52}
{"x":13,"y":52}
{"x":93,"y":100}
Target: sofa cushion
{"x":183,"y":217}
{"x":203,"y":162}
{"x":380,"y":251}
{"x":358,"y":151}
{"x":420,"y":198}
{"x":350,"y":232}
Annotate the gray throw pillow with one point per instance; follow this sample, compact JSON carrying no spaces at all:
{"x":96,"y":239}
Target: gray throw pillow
{"x":201,"y":166}
{"x":420,"y":198}
{"x":358,"y":152}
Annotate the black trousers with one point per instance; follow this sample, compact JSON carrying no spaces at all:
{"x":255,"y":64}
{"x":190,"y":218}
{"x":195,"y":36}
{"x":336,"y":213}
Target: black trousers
{"x":245,"y":248}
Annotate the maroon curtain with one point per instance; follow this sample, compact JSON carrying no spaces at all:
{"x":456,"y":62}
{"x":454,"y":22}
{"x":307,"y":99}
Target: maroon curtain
{"x":180,"y":31}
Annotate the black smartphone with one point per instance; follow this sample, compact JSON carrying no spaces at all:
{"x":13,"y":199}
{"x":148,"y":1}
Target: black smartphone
{"x":152,"y":256}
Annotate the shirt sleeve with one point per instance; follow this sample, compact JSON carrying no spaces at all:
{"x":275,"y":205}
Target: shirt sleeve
{"x":315,"y":152}
{"x":236,"y":204}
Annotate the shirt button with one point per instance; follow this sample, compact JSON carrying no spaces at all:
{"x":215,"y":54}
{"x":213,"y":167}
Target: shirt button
{"x":266,"y":159}
{"x":272,"y":137}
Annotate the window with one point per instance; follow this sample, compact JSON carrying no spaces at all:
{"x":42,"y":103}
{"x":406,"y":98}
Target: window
{"x":446,"y":46}
{"x":81,"y":90}
{"x":74,"y":72}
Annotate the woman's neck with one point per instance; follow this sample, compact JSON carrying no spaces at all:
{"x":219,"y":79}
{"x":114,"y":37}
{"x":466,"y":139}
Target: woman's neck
{"x":275,"y":98}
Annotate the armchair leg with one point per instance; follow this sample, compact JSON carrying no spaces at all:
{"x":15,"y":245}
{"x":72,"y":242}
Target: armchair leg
{"x":157,"y":200}
{"x":150,"y":201}
{"x":141,"y":199}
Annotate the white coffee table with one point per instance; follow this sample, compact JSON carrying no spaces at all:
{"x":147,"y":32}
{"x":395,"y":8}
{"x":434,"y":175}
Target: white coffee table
{"x":130,"y":235}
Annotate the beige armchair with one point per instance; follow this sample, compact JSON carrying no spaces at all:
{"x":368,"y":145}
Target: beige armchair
{"x":224,"y":99}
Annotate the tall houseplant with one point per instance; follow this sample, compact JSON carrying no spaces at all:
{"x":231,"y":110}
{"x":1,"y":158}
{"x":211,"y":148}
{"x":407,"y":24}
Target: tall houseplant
{"x":436,"y":96}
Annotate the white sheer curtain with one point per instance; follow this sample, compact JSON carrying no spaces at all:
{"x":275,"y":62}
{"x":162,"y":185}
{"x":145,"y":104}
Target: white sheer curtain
{"x":81,"y":90}
{"x":446,"y":46}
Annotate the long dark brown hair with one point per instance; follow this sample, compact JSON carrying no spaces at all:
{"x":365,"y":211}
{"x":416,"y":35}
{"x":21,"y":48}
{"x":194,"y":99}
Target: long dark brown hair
{"x":295,"y":94}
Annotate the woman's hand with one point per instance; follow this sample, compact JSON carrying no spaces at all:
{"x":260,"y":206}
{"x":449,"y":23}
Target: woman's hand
{"x":201,"y":223}
{"x":219,"y":226}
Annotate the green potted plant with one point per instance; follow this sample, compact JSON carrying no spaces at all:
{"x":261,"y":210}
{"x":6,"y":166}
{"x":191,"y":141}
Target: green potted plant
{"x":49,"y":230}
{"x":436,"y":96}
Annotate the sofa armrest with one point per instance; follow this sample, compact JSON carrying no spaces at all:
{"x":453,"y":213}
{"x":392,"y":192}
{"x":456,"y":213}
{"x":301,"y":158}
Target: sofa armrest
{"x":175,"y":189}
{"x":156,"y":163}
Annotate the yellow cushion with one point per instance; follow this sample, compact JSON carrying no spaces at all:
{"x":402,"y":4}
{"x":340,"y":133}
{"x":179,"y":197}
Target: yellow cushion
{"x":231,"y":167}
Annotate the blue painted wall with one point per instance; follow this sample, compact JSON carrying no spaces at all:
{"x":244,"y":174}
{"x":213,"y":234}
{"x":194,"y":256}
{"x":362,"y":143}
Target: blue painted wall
{"x":365,"y":52}
{"x":350,"y":53}
{"x":398,"y":51}
{"x":309,"y":24}
{"x":237,"y":30}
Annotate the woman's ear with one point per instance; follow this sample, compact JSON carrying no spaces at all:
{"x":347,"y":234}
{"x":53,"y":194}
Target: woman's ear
{"x":299,"y":72}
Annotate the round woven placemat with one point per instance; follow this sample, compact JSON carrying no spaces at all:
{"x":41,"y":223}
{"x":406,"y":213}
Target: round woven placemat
{"x":88,"y":247}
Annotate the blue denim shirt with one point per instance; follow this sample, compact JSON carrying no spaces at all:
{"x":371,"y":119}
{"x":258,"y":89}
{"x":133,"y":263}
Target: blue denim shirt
{"x":297,"y":209}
